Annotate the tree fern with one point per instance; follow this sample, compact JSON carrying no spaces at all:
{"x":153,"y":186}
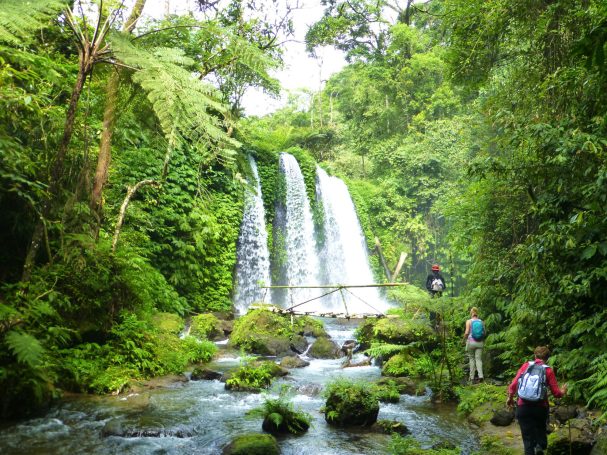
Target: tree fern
{"x":188,"y":109}
{"x":25,"y":347}
{"x":386,"y":349}
{"x":19,"y":17}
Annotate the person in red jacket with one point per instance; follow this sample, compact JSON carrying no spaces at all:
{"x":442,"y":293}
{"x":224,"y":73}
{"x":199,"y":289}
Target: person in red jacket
{"x":532,"y":416}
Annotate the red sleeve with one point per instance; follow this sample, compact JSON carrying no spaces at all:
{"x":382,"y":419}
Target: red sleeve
{"x":514,"y":384}
{"x":554,"y":387}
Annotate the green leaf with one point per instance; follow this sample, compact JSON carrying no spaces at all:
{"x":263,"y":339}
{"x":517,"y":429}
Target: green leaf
{"x":25,"y":347}
{"x":588,"y":252}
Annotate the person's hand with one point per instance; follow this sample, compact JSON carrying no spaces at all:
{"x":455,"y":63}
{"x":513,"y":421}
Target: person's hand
{"x":510,"y":402}
{"x":564,"y":389}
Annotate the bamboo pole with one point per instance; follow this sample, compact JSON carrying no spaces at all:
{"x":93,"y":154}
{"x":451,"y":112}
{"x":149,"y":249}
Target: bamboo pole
{"x":336,"y":286}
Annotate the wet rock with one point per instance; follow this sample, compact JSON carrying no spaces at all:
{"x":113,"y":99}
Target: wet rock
{"x":483,"y":413}
{"x":406,"y":386}
{"x":575,"y":437}
{"x":324,"y":348}
{"x":600,"y":445}
{"x":299,"y":344}
{"x":444,"y":445}
{"x":311,"y":327}
{"x":348,"y":345}
{"x":252,"y":444}
{"x":292,"y":424}
{"x":502,"y":417}
{"x":310,"y":390}
{"x":350,"y":404}
{"x":390,"y":427}
{"x":205,"y":374}
{"x":349,"y":363}
{"x":292,"y":361}
{"x":563,"y":413}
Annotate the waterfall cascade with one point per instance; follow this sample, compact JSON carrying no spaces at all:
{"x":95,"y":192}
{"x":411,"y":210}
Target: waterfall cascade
{"x":344,"y":255}
{"x":296,"y":260}
{"x":297,"y":229}
{"x":253,"y":258}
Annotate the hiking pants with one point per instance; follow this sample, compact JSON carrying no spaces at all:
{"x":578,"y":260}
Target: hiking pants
{"x":532,"y":420}
{"x":474,"y":349}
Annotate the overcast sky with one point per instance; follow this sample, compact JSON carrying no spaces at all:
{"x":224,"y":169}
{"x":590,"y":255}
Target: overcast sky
{"x":300,"y":70}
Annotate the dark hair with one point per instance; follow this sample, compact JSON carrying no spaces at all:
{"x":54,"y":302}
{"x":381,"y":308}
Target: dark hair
{"x":542,"y":352}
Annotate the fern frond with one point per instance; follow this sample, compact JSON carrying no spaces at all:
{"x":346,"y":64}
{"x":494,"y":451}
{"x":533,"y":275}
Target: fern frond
{"x":25,"y":347}
{"x":19,"y":17}
{"x":385,"y":349}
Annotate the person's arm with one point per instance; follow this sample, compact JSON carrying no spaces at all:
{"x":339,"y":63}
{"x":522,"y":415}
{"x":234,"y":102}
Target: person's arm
{"x":467,"y":331}
{"x":514,"y":384}
{"x":553,"y":384}
{"x":429,"y":283}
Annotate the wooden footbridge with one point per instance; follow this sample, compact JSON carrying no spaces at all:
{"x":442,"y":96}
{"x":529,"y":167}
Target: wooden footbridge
{"x":331,"y":288}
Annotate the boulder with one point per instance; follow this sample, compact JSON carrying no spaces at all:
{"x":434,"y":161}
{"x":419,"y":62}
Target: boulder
{"x":299,"y":344}
{"x":404,"y":331}
{"x":390,"y":427}
{"x":405,"y":386}
{"x":563,"y":413}
{"x":297,"y":425}
{"x":575,"y":437}
{"x":350,"y":404}
{"x":292,"y":361}
{"x":324,"y":348}
{"x":114,"y":428}
{"x":263,"y":332}
{"x":205,"y":374}
{"x":600,"y":445}
{"x":310,"y":327}
{"x":502,"y":417}
{"x":252,"y":444}
{"x":399,"y":365}
{"x":483,"y":413}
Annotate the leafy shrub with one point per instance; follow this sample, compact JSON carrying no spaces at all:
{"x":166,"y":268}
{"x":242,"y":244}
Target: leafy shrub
{"x":399,"y":365}
{"x":472,"y":397}
{"x":204,"y":326}
{"x":199,"y":350}
{"x":257,"y":324}
{"x":252,"y":377}
{"x":387,"y":392}
{"x":400,"y":445}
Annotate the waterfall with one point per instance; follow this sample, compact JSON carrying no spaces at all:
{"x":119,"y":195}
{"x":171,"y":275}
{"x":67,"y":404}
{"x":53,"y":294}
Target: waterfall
{"x":253,"y":258}
{"x":344,"y":254}
{"x":296,"y":250}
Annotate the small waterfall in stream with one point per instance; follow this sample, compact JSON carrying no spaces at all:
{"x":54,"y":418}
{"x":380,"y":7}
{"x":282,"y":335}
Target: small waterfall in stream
{"x":295,"y":246}
{"x":344,"y":255}
{"x":253,"y":258}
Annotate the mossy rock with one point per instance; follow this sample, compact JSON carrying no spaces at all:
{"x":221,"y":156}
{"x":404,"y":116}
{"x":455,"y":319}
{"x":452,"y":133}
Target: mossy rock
{"x":483,"y":413}
{"x":298,"y":425}
{"x":262,"y":332}
{"x":399,"y":365}
{"x":324,"y":348}
{"x":253,"y":444}
{"x":404,"y":331}
{"x":299,"y":344}
{"x":206,"y":326}
{"x":350,"y":404}
{"x":292,"y":361}
{"x":309,"y":326}
{"x":404,"y":386}
{"x":600,"y":446}
{"x":576,"y":437}
{"x":390,"y":427}
{"x":387,"y":393}
{"x":168,"y":323}
{"x":364,"y":333}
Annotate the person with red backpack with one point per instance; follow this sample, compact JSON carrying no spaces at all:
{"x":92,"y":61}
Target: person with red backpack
{"x":474,"y":336}
{"x":530,"y":384}
{"x":435,"y":283}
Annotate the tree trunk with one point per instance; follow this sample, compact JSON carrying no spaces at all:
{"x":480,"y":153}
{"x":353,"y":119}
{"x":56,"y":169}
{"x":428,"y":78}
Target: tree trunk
{"x":109,"y":118}
{"x":127,"y":199}
{"x":84,"y":69}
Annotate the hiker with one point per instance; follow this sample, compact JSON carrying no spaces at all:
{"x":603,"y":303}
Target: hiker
{"x":474,"y":336}
{"x":530,"y":384}
{"x":435,"y":283}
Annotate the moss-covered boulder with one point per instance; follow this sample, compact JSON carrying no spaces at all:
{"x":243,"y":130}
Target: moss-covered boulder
{"x":263,"y":332}
{"x":399,"y":365}
{"x":204,"y":374}
{"x":400,"y":330}
{"x":294,"y":423}
{"x":387,"y":392}
{"x":253,"y":444}
{"x":206,"y":326}
{"x":324,"y":348}
{"x":576,"y":437}
{"x":254,"y":376}
{"x":600,"y":446}
{"x":350,"y":403}
{"x":309,"y":326}
{"x":390,"y":427}
{"x":404,"y":385}
{"x":292,"y":361}
{"x":483,"y":413}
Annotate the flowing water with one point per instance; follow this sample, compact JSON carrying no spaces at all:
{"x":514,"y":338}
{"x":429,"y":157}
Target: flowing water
{"x":344,"y":255}
{"x":295,"y":225}
{"x":253,"y":258}
{"x":206,"y":417}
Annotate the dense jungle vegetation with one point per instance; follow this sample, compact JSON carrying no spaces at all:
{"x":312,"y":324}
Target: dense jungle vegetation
{"x":472,"y":133}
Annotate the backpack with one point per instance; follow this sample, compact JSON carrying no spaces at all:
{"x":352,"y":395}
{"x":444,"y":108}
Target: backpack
{"x":437,"y":285}
{"x":478,"y":330}
{"x":532,"y":383}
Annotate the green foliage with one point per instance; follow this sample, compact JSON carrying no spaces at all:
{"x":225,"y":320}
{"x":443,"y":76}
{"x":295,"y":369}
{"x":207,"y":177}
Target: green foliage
{"x":204,"y":325}
{"x":18,"y":19}
{"x":400,"y":445}
{"x":387,"y":393}
{"x":399,"y":365}
{"x":252,"y":327}
{"x":199,"y":350}
{"x":252,"y":376}
{"x":350,"y":403}
{"x":473,"y":396}
{"x":281,"y":414}
{"x":493,"y":445}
